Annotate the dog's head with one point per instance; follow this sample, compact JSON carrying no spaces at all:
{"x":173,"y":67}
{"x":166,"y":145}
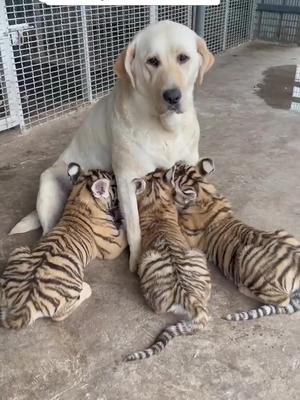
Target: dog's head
{"x":162,"y":63}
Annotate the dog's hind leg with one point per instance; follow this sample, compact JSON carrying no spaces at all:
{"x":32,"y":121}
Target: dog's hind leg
{"x":53,"y":193}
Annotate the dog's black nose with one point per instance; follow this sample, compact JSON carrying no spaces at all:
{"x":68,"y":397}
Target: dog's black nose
{"x":172,"y":96}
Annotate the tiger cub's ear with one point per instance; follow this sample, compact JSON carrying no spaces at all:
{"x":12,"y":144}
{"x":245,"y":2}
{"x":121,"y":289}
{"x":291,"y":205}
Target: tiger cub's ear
{"x":100,"y":188}
{"x":206,"y":166}
{"x":74,"y":170}
{"x":140,"y":185}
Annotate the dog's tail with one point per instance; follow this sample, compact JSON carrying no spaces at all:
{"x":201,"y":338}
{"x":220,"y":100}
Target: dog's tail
{"x":28,"y":223}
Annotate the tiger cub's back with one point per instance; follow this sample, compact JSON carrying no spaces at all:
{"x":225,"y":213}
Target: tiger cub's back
{"x":263,"y":265}
{"x":48,"y":281}
{"x":173,"y":277}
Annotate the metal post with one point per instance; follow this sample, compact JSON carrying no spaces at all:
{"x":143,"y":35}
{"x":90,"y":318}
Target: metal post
{"x":225,"y":25}
{"x":153,"y":14}
{"x":9,"y":69}
{"x":200,"y":20}
{"x":253,"y":16}
{"x":88,"y":81}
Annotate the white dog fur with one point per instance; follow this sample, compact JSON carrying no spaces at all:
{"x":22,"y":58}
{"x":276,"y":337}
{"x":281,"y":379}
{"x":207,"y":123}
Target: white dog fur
{"x":134,"y":129}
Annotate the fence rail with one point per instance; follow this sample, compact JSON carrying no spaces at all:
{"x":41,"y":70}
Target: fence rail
{"x":278,"y":20}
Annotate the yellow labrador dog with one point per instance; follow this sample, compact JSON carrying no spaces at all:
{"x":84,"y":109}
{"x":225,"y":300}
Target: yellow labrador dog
{"x":147,"y":121}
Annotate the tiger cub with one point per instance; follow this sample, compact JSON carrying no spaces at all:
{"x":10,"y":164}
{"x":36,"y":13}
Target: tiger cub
{"x":48,"y":281}
{"x":263,"y":265}
{"x":173,"y":277}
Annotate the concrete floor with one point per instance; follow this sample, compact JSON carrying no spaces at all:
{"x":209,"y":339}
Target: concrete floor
{"x":257,"y":155}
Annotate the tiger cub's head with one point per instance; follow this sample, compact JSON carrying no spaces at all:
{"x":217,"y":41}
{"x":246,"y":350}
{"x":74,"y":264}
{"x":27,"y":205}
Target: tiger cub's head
{"x":190,"y":184}
{"x":154,"y":188}
{"x":94,"y":187}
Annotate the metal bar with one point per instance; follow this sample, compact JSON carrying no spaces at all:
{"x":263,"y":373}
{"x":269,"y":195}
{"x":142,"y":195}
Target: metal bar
{"x":200,"y":20}
{"x":87,"y":77}
{"x":273,"y":8}
{"x":280,"y":22}
{"x":9,"y":69}
{"x":225,"y":25}
{"x":153,"y":14}
{"x":259,"y":19}
{"x":251,"y":30}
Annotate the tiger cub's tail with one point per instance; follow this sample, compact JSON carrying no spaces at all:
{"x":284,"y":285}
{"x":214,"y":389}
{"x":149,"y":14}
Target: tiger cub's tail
{"x":267,"y":310}
{"x":181,"y":328}
{"x":13,"y":319}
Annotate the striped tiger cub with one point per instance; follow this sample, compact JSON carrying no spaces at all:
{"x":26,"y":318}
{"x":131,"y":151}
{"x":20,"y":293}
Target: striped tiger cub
{"x":48,"y":281}
{"x":173,"y":277}
{"x":265,"y":266}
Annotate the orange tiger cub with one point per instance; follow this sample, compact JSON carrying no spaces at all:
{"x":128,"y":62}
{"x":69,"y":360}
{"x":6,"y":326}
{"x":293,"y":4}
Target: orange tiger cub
{"x":48,"y":281}
{"x":263,"y":265}
{"x":173,"y":277}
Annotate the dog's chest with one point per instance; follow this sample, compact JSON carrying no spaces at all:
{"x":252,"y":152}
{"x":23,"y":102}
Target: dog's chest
{"x":166,"y":151}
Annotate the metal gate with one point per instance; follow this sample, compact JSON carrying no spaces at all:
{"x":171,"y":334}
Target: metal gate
{"x":10,"y":110}
{"x":278,"y":20}
{"x":56,"y":58}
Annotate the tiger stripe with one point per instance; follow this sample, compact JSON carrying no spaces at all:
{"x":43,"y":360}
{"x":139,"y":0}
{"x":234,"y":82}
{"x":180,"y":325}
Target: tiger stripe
{"x":173,"y":276}
{"x":49,"y":280}
{"x":264,"y":265}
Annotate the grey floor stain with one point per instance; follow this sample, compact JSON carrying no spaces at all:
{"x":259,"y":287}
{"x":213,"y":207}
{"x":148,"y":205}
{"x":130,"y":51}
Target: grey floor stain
{"x":280,"y":87}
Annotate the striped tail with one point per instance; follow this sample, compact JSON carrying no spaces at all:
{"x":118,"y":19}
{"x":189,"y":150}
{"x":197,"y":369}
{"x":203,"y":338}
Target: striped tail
{"x":182,"y":328}
{"x":3,"y":305}
{"x":13,"y":319}
{"x":267,"y":310}
{"x":17,"y":320}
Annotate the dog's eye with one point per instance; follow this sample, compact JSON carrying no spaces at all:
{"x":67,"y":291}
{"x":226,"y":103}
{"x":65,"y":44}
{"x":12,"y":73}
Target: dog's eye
{"x":183,"y":58}
{"x":154,"y":61}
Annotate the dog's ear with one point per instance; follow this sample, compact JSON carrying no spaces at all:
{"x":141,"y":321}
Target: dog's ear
{"x":123,"y":64}
{"x":74,"y":172}
{"x":207,"y":59}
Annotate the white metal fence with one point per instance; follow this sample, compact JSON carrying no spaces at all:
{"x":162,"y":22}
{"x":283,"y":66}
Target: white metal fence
{"x":56,"y":58}
{"x":228,"y":24}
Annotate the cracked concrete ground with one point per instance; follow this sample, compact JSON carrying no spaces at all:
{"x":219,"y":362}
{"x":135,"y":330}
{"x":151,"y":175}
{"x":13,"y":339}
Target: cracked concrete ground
{"x":257,"y":154}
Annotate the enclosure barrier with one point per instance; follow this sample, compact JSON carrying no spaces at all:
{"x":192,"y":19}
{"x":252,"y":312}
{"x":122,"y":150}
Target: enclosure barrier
{"x":278,"y":20}
{"x":54,"y":59}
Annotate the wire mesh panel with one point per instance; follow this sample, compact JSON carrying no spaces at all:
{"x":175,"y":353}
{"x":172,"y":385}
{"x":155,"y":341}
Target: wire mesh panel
{"x":278,"y":20}
{"x":181,"y":14}
{"x":238,"y":22}
{"x":109,"y":29}
{"x":4,"y":105}
{"x":49,"y":58}
{"x":228,"y":24}
{"x":214,"y":26}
